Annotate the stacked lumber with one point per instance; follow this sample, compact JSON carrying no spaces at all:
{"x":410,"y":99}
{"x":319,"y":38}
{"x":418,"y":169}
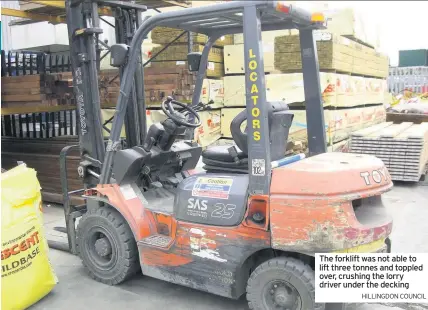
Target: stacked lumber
{"x":179,"y":53}
{"x":164,"y":35}
{"x":339,"y":123}
{"x":334,"y":53}
{"x":176,"y":54}
{"x":402,"y":147}
{"x":338,"y":90}
{"x":33,"y":91}
{"x":159,"y":83}
{"x":352,"y":76}
{"x":45,"y":92}
{"x":40,"y":93}
{"x":36,"y":153}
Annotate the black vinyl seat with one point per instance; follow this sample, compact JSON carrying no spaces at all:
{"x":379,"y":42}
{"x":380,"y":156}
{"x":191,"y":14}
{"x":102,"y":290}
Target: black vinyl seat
{"x":234,"y":158}
{"x":220,"y":159}
{"x":221,"y":153}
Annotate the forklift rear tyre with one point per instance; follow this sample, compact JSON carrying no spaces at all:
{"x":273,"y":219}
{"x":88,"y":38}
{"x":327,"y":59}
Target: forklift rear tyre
{"x":106,"y":246}
{"x":282,"y":283}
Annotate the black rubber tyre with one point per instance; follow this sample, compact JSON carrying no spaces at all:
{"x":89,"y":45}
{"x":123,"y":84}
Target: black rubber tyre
{"x":107,"y":225}
{"x":291,"y":275}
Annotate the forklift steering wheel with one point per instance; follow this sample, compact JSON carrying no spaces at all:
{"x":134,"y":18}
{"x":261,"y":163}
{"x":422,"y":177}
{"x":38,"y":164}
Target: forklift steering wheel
{"x":178,"y":117}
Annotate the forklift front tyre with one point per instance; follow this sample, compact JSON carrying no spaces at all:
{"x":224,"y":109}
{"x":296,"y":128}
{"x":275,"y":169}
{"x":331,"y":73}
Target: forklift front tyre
{"x":282,"y":283}
{"x":106,"y":246}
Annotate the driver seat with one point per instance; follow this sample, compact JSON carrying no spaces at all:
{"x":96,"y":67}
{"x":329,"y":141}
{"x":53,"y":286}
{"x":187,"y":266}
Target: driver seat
{"x":235,"y":158}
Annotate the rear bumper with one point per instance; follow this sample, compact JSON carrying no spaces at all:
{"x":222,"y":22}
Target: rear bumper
{"x":378,"y":246}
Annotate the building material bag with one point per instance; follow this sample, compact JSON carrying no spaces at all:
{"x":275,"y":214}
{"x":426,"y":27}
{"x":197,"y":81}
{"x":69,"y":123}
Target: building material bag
{"x":27,"y":275}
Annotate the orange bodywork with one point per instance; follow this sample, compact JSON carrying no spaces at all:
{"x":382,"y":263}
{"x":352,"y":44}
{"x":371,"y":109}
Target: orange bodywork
{"x":309,"y":210}
{"x":188,"y":239}
{"x":311,"y":202}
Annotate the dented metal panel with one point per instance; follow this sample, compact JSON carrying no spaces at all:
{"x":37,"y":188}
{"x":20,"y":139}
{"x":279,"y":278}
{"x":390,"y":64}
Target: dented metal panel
{"x":204,"y":257}
{"x":312,"y":203}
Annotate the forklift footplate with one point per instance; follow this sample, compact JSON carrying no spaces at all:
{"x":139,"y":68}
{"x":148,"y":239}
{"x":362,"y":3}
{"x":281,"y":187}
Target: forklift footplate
{"x":160,"y":241}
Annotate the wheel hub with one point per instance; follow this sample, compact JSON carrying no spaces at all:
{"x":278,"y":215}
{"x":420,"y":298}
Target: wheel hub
{"x":282,"y":296}
{"x":283,"y":299}
{"x":103,"y":247}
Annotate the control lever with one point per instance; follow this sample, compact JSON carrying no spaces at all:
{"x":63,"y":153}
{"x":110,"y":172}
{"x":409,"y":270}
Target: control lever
{"x":148,"y":144}
{"x":234,"y":153}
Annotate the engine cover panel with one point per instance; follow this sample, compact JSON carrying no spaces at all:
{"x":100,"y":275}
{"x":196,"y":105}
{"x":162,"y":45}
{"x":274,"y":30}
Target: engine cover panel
{"x":212,"y":199}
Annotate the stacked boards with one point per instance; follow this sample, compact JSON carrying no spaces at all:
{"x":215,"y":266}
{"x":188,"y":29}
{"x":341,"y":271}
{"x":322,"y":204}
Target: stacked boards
{"x":176,"y":54}
{"x":338,"y":90}
{"x":335,"y":53}
{"x":36,"y":153}
{"x":174,"y":57}
{"x":402,"y":147}
{"x":159,"y":83}
{"x":54,"y":92}
{"x":352,"y":79}
{"x":339,"y":123}
{"x":33,"y":93}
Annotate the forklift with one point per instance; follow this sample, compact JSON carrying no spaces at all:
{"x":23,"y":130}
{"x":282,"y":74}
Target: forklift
{"x":249,"y":222}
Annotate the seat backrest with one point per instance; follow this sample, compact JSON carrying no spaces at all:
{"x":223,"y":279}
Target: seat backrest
{"x":280,"y":120}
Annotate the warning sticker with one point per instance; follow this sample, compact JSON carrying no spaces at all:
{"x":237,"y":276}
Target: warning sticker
{"x":212,"y":187}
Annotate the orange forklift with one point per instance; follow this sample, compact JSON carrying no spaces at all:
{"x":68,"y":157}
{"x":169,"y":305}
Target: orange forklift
{"x":249,"y":222}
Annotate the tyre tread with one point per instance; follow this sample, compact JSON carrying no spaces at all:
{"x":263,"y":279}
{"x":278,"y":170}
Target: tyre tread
{"x":130,"y":257}
{"x":292,"y":265}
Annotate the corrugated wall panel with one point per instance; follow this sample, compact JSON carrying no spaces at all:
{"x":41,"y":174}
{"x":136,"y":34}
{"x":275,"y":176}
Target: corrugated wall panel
{"x":6,"y":37}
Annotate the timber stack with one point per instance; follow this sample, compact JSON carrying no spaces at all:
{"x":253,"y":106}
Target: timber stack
{"x":176,"y":54}
{"x":36,"y":153}
{"x":42,"y":92}
{"x":33,"y":93}
{"x":352,"y":77}
{"x":159,"y":83}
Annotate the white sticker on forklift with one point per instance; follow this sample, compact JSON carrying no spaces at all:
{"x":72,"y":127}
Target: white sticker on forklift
{"x":258,"y":167}
{"x":212,"y":187}
{"x":371,"y":278}
{"x":128,"y":192}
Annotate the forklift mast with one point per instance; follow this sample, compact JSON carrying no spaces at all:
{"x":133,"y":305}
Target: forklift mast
{"x":83,"y":22}
{"x":250,"y":18}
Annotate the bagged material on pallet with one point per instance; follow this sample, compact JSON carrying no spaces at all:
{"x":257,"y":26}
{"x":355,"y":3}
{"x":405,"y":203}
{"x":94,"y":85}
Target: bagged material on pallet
{"x":27,"y":275}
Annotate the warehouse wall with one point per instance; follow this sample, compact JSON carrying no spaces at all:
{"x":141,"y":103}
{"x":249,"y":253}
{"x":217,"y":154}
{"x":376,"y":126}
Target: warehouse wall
{"x":6,"y":35}
{"x":53,"y":39}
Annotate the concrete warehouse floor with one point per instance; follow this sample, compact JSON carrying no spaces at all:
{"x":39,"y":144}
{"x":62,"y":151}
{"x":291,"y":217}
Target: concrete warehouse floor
{"x":408,"y":204}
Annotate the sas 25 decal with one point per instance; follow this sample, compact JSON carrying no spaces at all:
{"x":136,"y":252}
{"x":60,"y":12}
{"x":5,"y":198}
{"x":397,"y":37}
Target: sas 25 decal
{"x":223,"y":211}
